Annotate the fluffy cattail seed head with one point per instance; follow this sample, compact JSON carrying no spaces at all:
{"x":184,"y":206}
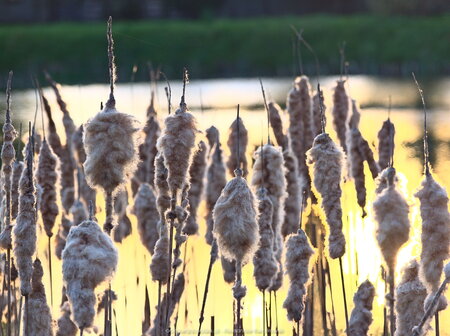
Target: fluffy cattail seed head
{"x":326,"y":159}
{"x":89,"y":259}
{"x":361,"y":317}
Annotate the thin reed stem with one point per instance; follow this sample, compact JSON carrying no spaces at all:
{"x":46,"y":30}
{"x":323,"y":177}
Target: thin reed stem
{"x":391,"y":300}
{"x":8,"y":265}
{"x":436,"y":324}
{"x":264,"y":312}
{"x":172,"y":217}
{"x":50,"y":269}
{"x":212,"y":326}
{"x":344,"y":295}
{"x":212,"y":259}
{"x":158,"y":328}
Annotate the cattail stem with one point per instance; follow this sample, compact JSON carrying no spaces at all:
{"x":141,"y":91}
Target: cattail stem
{"x":391,"y":300}
{"x":436,"y":324}
{"x":50,"y":269}
{"x":212,"y":326}
{"x":8,"y":266}
{"x":238,"y":300}
{"x":205,"y":293}
{"x":276,"y":312}
{"x":26,"y":326}
{"x":81,"y":331}
{"x":264,"y":312}
{"x":172,"y":217}
{"x":20,"y":316}
{"x":108,"y":226}
{"x":418,"y":330}
{"x":344,"y":295}
{"x":159,"y":326}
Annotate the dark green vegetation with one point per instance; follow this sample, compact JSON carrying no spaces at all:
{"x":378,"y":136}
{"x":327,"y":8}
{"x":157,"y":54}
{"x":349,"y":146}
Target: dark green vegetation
{"x":76,"y":53}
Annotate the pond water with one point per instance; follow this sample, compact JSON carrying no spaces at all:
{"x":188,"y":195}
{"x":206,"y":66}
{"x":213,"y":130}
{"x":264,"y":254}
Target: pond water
{"x":214,"y":103}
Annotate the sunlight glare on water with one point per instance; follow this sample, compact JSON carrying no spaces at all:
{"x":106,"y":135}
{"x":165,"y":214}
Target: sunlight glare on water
{"x":219,"y":97}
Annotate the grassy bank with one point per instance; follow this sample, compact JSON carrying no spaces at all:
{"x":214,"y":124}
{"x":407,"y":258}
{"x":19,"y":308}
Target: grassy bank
{"x":76,"y":53}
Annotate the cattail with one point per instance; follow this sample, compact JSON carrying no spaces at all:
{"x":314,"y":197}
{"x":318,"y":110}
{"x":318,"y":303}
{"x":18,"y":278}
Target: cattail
{"x":16,"y":174}
{"x":86,"y":192}
{"x":63,"y":231}
{"x":8,"y":153}
{"x":268,"y":172}
{"x":265,"y":264}
{"x":65,"y":325}
{"x":5,"y":238}
{"x":318,"y":114}
{"x":146,"y":212}
{"x":123,"y":228}
{"x":67,"y":178}
{"x":391,"y":213}
{"x":410,"y":296}
{"x":111,"y":141}
{"x":340,"y":113}
{"x":89,"y":259}
{"x":293,"y":185}
{"x":24,"y":232}
{"x":176,"y":144}
{"x":326,"y":159}
{"x":229,"y":270}
{"x":148,"y":149}
{"x":159,"y":266}
{"x":78,"y":212}
{"x":197,"y":174}
{"x":178,"y":289}
{"x":299,"y":107}
{"x":235,"y":226}
{"x":361,"y":317}
{"x":212,"y":134}
{"x":276,"y":123}
{"x":355,"y":117}
{"x":69,"y":125}
{"x":78,"y":145}
{"x":47,"y":177}
{"x":435,"y":233}
{"x":386,"y":144}
{"x":294,"y":197}
{"x":357,"y":167}
{"x":215,"y":182}
{"x":37,"y":318}
{"x":299,"y":268}
{"x":238,"y":134}
{"x":367,"y":155}
{"x":161,"y":186}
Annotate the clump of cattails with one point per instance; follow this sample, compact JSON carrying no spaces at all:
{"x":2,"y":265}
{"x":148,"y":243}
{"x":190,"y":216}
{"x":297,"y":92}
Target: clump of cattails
{"x":37,"y":318}
{"x":89,"y":259}
{"x":265,"y":264}
{"x":111,"y":141}
{"x":215,"y":179}
{"x":47,"y":177}
{"x":410,"y":296}
{"x":326,"y":159}
{"x":238,"y":136}
{"x":197,"y":173}
{"x":386,"y":144}
{"x":146,"y":212}
{"x":340,"y":112}
{"x":298,"y":268}
{"x":435,"y":233}
{"x":24,"y":232}
{"x":361,"y":317}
